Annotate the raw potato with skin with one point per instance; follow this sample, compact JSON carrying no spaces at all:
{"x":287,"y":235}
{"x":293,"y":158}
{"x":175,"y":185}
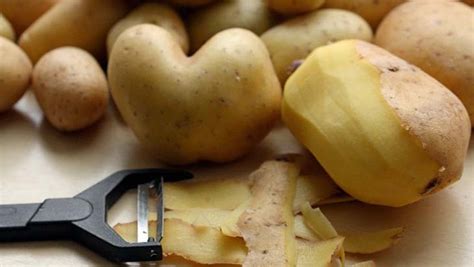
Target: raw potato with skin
{"x":22,"y":13}
{"x":15,"y":73}
{"x":71,"y":88}
{"x":438,"y":37}
{"x":216,"y":105}
{"x":191,"y":3}
{"x":153,"y":13}
{"x":292,"y":7}
{"x":6,"y":29}
{"x":80,"y":23}
{"x":406,"y":136}
{"x":296,"y":38}
{"x":253,"y":15}
{"x":372,"y":11}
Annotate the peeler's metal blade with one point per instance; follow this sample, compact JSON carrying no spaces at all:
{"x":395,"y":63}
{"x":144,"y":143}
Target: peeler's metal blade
{"x":160,"y":210}
{"x":142,"y":212}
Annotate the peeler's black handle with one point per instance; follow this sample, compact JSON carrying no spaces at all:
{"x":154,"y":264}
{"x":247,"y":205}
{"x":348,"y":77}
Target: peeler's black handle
{"x":83,"y":218}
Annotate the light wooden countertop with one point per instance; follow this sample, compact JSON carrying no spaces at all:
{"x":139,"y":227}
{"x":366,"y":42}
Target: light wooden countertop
{"x":38,"y":162}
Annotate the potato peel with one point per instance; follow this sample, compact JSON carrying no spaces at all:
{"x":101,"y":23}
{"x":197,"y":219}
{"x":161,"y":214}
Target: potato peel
{"x":303,"y":231}
{"x":364,"y":264}
{"x":317,"y":254}
{"x":371,"y":242}
{"x":200,"y":217}
{"x":226,"y":194}
{"x":267,"y":223}
{"x":229,"y":225}
{"x":318,"y":222}
{"x":313,"y":189}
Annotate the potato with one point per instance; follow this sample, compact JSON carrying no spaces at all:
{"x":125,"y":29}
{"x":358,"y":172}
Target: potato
{"x":15,"y":73}
{"x":291,"y":7}
{"x":153,"y":13}
{"x":438,"y":37}
{"x":205,"y":22}
{"x":399,"y":133}
{"x":216,"y":105}
{"x":71,"y":88}
{"x":372,"y":11}
{"x":191,"y":3}
{"x":80,"y":23}
{"x":22,"y":13}
{"x":296,"y":38}
{"x":6,"y":29}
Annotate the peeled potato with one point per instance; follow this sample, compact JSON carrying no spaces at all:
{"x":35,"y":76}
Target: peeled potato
{"x":297,"y":37}
{"x":152,"y":13}
{"x":398,"y":133}
{"x":71,"y":88}
{"x":15,"y":73}
{"x":6,"y":29}
{"x":438,"y":37}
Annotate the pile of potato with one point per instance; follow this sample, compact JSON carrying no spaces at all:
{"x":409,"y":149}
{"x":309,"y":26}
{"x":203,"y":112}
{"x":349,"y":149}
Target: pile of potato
{"x":380,"y":92}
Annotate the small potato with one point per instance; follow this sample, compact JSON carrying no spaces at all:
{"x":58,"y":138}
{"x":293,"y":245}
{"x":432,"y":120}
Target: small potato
{"x":191,"y":3}
{"x":15,"y":73}
{"x":6,"y":29}
{"x":292,"y":7}
{"x":252,"y":15}
{"x":71,"y":88}
{"x":80,"y":23}
{"x":22,"y":13}
{"x":372,"y":11}
{"x":152,"y":13}
{"x":438,"y":37}
{"x":296,"y":38}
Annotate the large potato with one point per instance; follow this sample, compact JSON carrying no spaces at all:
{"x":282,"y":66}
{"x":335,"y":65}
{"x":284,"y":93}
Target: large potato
{"x":15,"y":73}
{"x":6,"y":29}
{"x":80,"y":23}
{"x":384,"y":130}
{"x":438,"y":37}
{"x":296,"y":38}
{"x":291,"y":7}
{"x":215,"y":105}
{"x":22,"y":13}
{"x":153,"y":13}
{"x":205,"y":22}
{"x":372,"y":11}
{"x":191,"y":3}
{"x":71,"y":88}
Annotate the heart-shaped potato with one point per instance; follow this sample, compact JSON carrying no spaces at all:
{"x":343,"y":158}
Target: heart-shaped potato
{"x":215,"y":105}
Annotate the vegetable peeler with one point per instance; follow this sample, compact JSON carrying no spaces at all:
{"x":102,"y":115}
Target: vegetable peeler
{"x":83,"y":218}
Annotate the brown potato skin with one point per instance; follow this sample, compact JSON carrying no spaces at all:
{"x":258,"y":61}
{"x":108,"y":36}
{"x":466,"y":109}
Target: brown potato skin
{"x":15,"y":73}
{"x":22,"y":13}
{"x":372,"y":11}
{"x":427,"y":109}
{"x":438,"y":37}
{"x":191,"y":3}
{"x":71,"y":88}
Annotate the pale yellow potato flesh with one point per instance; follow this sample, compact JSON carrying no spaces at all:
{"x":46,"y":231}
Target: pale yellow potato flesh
{"x":82,"y":24}
{"x":292,"y":7}
{"x":22,"y":13}
{"x":438,"y":37}
{"x":200,"y":217}
{"x":303,"y":231}
{"x":226,"y":194}
{"x":213,"y":106}
{"x":229,"y":225}
{"x":15,"y":73}
{"x":318,"y":254}
{"x":371,"y":242}
{"x":296,"y":38}
{"x":6,"y":29}
{"x":153,"y":13}
{"x":364,"y":264}
{"x":318,"y":222}
{"x":267,"y":223}
{"x":334,"y":104}
{"x":372,"y":11}
{"x":313,"y":189}
{"x":205,"y":22}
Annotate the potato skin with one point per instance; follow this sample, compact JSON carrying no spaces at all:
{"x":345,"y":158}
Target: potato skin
{"x":438,"y":37}
{"x":15,"y":73}
{"x":154,"y":13}
{"x":22,"y":13}
{"x":296,"y":38}
{"x":372,"y":11}
{"x":191,"y":3}
{"x":293,"y":7}
{"x":6,"y":29}
{"x":251,"y":15}
{"x":71,"y":88}
{"x":216,"y":105}
{"x":427,"y":109}
{"x":80,"y":23}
